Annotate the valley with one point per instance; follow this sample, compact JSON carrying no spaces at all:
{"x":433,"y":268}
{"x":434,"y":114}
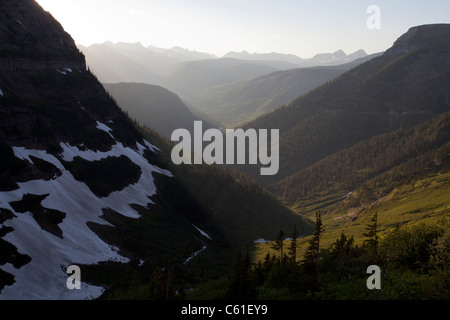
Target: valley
{"x":358,"y":175}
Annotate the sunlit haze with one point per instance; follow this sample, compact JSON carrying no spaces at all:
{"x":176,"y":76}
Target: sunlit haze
{"x":298,"y":27}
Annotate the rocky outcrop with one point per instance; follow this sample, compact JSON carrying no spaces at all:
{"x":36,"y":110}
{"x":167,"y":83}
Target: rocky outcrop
{"x":46,"y":93}
{"x":419,"y":37}
{"x":31,"y":39}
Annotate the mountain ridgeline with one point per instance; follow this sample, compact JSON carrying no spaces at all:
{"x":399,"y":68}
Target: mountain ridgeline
{"x":87,"y":179}
{"x":152,"y":106}
{"x":321,"y":59}
{"x":234,"y":104}
{"x":80,"y":183}
{"x":407,"y":85}
{"x":223,"y":90}
{"x":135,"y":63}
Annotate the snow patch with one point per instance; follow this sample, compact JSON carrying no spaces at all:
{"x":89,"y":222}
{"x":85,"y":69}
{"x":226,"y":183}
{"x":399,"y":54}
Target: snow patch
{"x":261,"y":240}
{"x":19,"y":22}
{"x":70,"y":152}
{"x":203,"y":233}
{"x":194,"y":255}
{"x":44,"y":277}
{"x":65,"y":71}
{"x":348,"y":194}
{"x":24,"y":154}
{"x":1,"y":92}
{"x":103,"y":127}
{"x":81,"y":106}
{"x":140,"y":148}
{"x":150,"y":146}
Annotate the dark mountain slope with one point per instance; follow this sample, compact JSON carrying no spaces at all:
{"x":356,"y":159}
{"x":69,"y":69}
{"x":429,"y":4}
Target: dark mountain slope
{"x":30,"y":38}
{"x":80,"y":185}
{"x":54,"y":137}
{"x":408,"y":84}
{"x":234,"y":207}
{"x":152,"y":106}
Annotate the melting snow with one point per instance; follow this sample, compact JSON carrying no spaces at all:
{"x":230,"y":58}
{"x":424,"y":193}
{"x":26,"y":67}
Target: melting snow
{"x":79,"y":103}
{"x":65,"y":71}
{"x":24,"y":154}
{"x":105,"y":128}
{"x":194,"y":254}
{"x":141,"y":148}
{"x":44,"y":277}
{"x":18,"y":21}
{"x":150,"y":146}
{"x":203,"y":233}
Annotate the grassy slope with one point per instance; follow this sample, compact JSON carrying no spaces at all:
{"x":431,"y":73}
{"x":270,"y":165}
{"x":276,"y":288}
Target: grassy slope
{"x":423,"y":200}
{"x":404,"y":187}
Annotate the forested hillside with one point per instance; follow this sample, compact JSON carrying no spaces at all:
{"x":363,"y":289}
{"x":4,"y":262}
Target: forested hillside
{"x":407,"y":85}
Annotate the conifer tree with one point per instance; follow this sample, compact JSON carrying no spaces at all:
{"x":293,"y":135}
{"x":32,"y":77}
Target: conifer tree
{"x":343,"y":246}
{"x":278,"y":245}
{"x":311,"y":259}
{"x":371,"y":242}
{"x":240,"y":286}
{"x":293,"y":245}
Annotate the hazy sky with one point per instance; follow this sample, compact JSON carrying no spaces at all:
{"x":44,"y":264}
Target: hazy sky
{"x":299,"y":27}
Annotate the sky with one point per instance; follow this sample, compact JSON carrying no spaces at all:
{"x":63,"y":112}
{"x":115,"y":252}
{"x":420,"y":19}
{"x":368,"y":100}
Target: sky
{"x":299,"y":27}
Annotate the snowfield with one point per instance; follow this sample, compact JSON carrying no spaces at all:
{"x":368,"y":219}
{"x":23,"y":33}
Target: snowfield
{"x":45,"y":277}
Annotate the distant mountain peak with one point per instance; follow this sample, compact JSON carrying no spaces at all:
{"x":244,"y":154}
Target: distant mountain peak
{"x":360,"y":51}
{"x":189,"y":54}
{"x":357,"y":54}
{"x":130,"y":44}
{"x":340,"y":52}
{"x":179,"y":49}
{"x":238,"y":54}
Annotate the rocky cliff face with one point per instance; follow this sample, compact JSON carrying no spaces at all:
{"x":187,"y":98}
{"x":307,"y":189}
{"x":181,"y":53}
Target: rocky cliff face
{"x":30,"y":39}
{"x":44,"y":79}
{"x":421,"y":37}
